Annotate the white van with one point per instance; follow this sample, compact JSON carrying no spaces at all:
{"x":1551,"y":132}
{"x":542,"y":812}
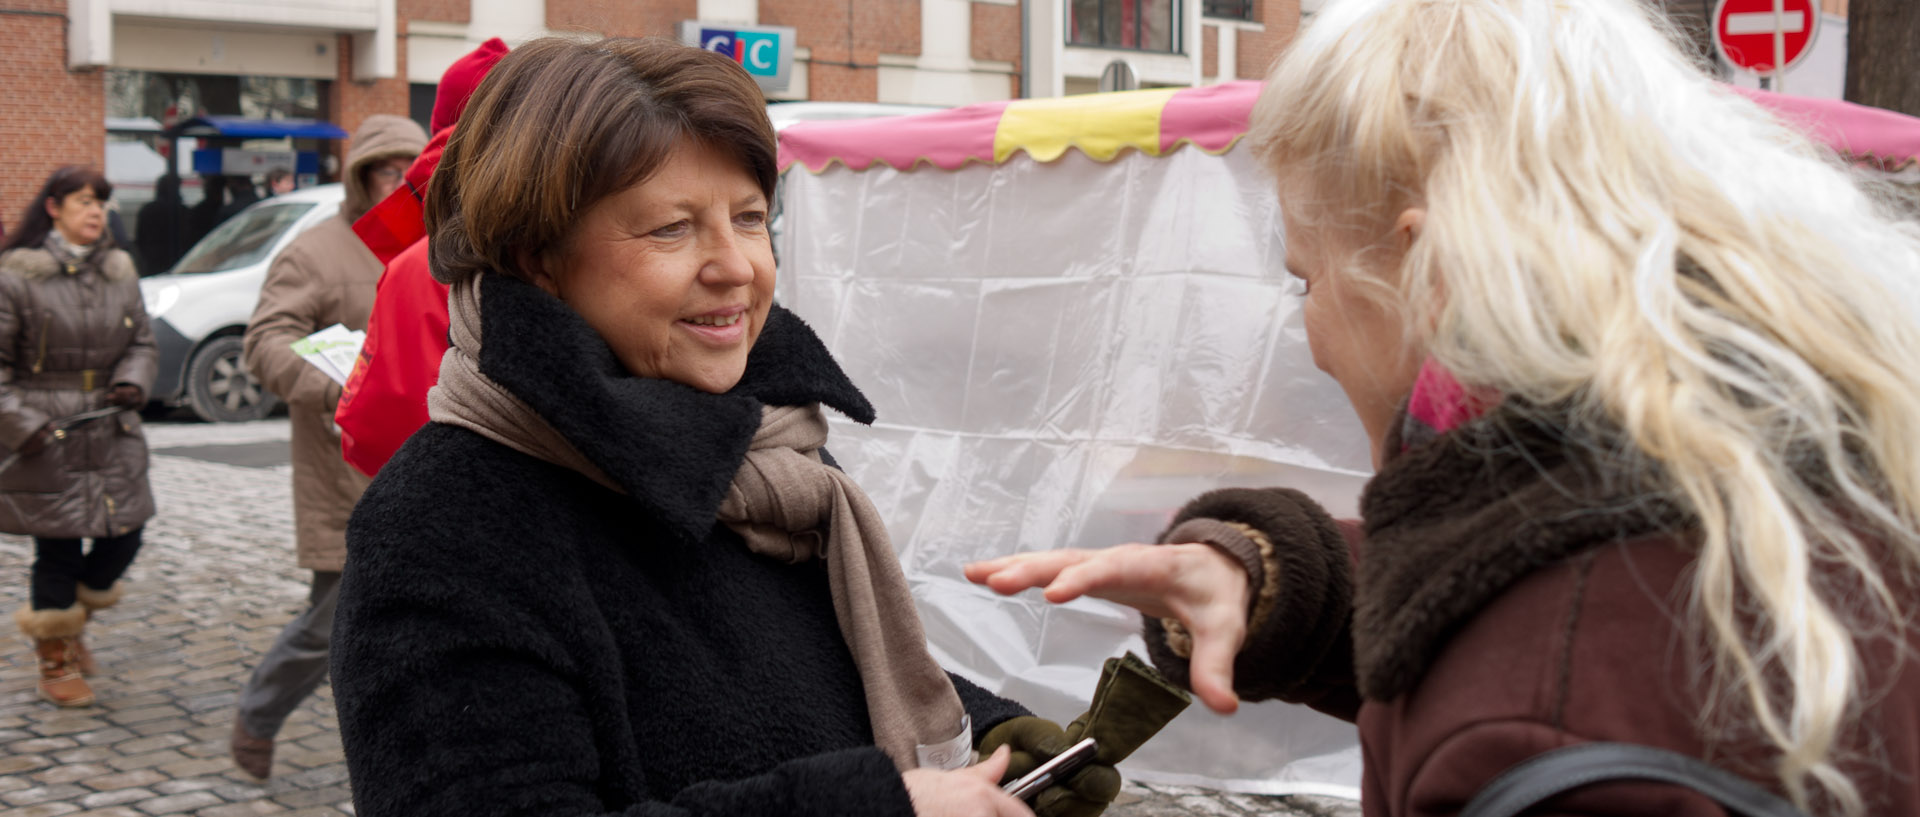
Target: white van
{"x":200,"y":308}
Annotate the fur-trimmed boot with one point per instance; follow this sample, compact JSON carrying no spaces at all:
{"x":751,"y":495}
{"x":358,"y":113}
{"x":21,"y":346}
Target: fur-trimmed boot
{"x":94,"y":600}
{"x":56,"y":639}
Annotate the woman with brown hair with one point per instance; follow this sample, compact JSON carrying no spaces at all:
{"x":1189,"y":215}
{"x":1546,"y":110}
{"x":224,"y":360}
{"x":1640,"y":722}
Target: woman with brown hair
{"x":74,"y":346}
{"x":617,"y":572}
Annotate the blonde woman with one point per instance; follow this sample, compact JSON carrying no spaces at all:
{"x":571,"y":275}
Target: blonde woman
{"x":1639,"y":364}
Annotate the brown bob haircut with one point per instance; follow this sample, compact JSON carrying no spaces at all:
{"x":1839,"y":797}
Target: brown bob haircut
{"x":559,"y":125}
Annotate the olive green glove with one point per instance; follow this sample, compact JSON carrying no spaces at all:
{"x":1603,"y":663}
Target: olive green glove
{"x":1131,"y":704}
{"x":1034,"y":741}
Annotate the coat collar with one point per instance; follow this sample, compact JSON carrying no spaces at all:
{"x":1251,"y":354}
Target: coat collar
{"x":38,"y":263}
{"x":1453,"y":522}
{"x":674,"y":448}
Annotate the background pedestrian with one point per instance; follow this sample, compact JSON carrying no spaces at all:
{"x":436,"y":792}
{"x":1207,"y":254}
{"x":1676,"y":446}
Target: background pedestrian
{"x":160,"y":228}
{"x":74,"y":338}
{"x":325,"y":276}
{"x":280,"y":181}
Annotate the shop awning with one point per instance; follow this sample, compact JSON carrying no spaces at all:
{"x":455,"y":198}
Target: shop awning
{"x":1212,"y":118}
{"x":239,"y":128}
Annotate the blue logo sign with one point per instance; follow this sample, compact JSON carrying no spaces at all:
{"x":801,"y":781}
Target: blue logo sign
{"x":765,"y":51}
{"x":757,"y":51}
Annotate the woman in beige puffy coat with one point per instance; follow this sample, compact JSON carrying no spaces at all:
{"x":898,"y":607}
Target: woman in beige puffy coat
{"x":75,"y":346}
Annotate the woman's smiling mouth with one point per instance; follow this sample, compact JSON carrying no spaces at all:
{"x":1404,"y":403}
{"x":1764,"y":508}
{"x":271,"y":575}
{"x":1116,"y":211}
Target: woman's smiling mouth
{"x":716,"y":320}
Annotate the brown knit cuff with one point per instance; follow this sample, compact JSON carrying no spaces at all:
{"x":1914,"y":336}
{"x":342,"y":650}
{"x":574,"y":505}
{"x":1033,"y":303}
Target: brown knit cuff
{"x":1246,"y":545}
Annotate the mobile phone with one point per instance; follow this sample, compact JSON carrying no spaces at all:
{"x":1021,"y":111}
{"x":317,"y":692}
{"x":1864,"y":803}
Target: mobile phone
{"x":1031,"y":784}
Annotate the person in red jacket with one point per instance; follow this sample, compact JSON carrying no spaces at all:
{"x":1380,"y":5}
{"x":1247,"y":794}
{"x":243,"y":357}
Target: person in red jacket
{"x":385,"y":399}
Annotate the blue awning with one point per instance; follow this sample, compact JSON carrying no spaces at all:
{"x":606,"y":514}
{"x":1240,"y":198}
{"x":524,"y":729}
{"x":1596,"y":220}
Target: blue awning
{"x":236,"y":127}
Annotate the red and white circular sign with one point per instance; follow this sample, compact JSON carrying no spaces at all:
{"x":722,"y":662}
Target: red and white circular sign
{"x":1757,"y":35}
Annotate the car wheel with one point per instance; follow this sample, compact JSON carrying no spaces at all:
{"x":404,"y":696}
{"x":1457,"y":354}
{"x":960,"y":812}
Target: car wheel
{"x":220,"y":390}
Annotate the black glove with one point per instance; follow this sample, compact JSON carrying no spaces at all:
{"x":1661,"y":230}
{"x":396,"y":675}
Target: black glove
{"x":127,"y":394}
{"x":1085,"y":793}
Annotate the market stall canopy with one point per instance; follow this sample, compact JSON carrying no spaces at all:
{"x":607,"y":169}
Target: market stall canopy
{"x":1212,"y":119}
{"x":235,"y":127}
{"x":1071,"y":316}
{"x":1875,"y":136}
{"x":1076,"y":324}
{"x":1155,"y":122}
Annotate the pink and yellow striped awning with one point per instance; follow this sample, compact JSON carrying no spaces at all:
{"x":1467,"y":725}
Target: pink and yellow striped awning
{"x":1155,"y":122}
{"x":1212,"y":118}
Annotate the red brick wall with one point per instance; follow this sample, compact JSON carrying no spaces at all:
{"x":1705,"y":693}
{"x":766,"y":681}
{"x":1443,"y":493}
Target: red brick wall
{"x":1257,"y":50}
{"x":894,"y":25}
{"x":439,"y":11}
{"x":353,"y":101}
{"x":996,"y":33}
{"x":621,"y":18}
{"x":49,"y":116}
{"x":833,"y":81}
{"x":845,"y":39}
{"x":1209,"y":51}
{"x":996,"y":36}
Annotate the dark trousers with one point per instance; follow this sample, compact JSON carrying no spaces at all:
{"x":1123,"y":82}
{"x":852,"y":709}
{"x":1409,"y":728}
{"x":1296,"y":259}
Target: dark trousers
{"x":296,"y":663}
{"x":61,"y":565}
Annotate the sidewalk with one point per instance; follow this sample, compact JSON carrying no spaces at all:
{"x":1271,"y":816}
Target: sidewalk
{"x":213,"y":585}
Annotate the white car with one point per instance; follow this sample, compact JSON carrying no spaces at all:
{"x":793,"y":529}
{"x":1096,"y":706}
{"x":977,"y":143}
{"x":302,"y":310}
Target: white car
{"x":200,"y":308}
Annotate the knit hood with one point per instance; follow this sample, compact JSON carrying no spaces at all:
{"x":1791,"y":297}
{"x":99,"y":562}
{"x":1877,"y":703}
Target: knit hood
{"x":380,"y":137}
{"x":461,"y":80}
{"x":396,"y":222}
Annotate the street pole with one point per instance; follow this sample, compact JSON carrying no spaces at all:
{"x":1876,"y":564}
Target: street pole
{"x":1779,"y":48}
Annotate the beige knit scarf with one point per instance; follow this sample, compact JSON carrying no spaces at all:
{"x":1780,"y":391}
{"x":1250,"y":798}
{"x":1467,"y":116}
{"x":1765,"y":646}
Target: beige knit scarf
{"x":781,"y":502}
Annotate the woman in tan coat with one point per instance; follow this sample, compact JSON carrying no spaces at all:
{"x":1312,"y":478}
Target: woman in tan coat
{"x":74,"y":345}
{"x":326,"y":276}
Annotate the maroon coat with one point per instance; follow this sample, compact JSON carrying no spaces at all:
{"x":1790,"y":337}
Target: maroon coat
{"x":1509,"y":598}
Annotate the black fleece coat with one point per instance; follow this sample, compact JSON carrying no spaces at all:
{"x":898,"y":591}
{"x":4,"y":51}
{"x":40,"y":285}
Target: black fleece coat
{"x":516,"y":639}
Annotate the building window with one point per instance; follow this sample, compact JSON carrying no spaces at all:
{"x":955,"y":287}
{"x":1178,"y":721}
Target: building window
{"x":1142,"y":25}
{"x":1228,"y":9}
{"x":420,"y":98}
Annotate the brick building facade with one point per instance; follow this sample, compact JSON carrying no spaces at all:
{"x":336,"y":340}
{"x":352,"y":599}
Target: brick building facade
{"x":344,"y":60}
{"x":49,"y":116}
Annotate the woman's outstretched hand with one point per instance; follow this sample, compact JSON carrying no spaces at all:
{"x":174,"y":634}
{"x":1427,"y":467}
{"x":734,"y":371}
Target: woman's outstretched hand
{"x":1203,"y":588}
{"x":970,"y":792}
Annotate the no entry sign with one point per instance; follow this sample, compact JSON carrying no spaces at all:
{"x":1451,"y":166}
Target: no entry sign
{"x":1764,"y":36}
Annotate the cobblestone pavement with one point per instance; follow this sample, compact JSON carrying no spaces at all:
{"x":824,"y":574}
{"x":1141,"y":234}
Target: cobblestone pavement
{"x":213,"y":585}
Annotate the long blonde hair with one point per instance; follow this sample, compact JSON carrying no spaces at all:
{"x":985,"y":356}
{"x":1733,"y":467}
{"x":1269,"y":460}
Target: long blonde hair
{"x":1610,"y":230}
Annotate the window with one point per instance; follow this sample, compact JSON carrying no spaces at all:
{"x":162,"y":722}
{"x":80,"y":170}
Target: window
{"x":241,"y":240}
{"x":420,"y":98}
{"x":1143,"y":25}
{"x":1228,"y":9}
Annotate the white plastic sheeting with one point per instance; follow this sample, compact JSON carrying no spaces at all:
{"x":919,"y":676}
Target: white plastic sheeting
{"x":1061,"y":355}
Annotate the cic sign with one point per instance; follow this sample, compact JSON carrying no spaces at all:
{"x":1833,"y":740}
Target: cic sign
{"x":765,"y":51}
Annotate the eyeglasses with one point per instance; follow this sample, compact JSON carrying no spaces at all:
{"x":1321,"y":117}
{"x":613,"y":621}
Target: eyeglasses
{"x":387,"y":174}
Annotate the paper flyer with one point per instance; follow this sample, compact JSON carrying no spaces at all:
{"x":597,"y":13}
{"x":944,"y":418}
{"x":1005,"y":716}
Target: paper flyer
{"x":332,"y":350}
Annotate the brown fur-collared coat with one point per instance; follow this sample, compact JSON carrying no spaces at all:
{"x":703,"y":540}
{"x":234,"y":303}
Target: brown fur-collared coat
{"x":1509,"y":592}
{"x":58,"y":322}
